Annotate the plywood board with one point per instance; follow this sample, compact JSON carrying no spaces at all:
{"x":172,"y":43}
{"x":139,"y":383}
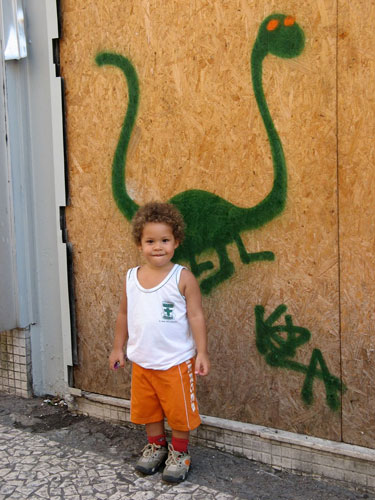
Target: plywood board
{"x":357,"y":232}
{"x":198,"y":127}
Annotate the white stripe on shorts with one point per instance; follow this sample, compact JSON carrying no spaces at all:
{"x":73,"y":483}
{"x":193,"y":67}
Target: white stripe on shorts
{"x":183,"y":391}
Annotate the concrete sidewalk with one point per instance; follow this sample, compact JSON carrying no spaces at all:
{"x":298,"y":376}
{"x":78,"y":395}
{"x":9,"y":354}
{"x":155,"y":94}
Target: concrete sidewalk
{"x":32,"y":466}
{"x":48,"y":453}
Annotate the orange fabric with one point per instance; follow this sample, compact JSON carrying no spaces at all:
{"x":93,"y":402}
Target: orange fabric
{"x":156,"y":394}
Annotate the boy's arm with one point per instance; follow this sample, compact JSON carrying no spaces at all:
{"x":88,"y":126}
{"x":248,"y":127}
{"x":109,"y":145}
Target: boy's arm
{"x":190,"y":289}
{"x":121,"y":334}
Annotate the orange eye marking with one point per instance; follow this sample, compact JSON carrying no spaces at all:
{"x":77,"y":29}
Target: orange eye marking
{"x":289,"y":21}
{"x":272,"y":25}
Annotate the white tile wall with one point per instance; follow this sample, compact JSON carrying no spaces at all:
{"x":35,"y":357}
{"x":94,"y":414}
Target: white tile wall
{"x":15,"y":363}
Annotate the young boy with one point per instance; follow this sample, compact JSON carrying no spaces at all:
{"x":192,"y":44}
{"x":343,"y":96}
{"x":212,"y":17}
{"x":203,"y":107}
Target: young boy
{"x":161,"y":319}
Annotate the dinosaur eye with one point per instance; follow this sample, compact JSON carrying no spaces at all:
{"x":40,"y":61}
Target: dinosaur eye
{"x":289,"y":21}
{"x":272,"y":25}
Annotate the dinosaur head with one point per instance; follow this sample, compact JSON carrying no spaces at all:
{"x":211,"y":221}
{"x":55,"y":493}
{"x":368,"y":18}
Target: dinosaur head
{"x":281,"y":36}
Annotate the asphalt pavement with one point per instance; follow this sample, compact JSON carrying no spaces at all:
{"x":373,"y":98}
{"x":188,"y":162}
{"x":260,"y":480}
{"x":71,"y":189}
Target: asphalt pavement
{"x":47,"y":452}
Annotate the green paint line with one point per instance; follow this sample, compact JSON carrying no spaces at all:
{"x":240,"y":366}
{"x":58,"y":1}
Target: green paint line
{"x":127,"y":206}
{"x":277,"y":350}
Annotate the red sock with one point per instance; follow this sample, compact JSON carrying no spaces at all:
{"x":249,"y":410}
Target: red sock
{"x":180,"y":445}
{"x":160,"y":440}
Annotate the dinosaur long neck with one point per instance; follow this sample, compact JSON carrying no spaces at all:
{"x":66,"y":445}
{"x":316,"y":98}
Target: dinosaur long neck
{"x":127,"y":206}
{"x":274,"y":202}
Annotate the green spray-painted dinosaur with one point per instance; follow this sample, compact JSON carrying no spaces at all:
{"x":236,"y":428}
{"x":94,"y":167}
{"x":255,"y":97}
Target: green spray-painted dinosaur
{"x":212,"y":222}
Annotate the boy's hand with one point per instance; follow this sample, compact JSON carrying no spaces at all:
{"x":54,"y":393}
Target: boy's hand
{"x":116,"y":360}
{"x":202,"y":364}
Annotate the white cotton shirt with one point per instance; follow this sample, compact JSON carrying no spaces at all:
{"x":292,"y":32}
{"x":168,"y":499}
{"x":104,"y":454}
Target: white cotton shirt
{"x":158,"y":328}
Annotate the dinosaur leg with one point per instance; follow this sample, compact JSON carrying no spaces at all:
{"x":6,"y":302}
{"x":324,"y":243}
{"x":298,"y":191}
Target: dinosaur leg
{"x":251,"y":257}
{"x":225,"y":271}
{"x":198,"y":269}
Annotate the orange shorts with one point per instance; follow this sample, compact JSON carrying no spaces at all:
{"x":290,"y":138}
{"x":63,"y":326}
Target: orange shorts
{"x":156,"y":394}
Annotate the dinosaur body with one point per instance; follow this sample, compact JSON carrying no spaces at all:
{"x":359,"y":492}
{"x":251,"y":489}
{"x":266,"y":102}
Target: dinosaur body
{"x":212,"y":222}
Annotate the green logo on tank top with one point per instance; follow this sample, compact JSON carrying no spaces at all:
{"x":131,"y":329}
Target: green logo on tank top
{"x":168,"y":310}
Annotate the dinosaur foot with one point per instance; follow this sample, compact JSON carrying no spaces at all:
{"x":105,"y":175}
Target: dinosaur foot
{"x":198,"y":269}
{"x":257,"y":256}
{"x":215,"y":279}
{"x":251,"y":257}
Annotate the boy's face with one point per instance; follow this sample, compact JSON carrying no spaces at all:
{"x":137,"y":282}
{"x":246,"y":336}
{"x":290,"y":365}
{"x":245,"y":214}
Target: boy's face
{"x":158,"y":244}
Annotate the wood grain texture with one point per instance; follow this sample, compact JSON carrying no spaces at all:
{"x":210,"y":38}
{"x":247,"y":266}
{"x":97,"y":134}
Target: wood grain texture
{"x":356,"y":91}
{"x":198,"y":126}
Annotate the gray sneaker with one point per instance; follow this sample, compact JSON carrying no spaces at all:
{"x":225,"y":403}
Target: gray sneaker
{"x":153,"y":456}
{"x":177,"y":466}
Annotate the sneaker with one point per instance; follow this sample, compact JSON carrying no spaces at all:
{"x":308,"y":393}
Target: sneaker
{"x":176,"y":466}
{"x":153,"y":456}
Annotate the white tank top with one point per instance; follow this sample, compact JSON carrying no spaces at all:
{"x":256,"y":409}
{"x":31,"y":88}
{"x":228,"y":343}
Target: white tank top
{"x":159,"y":332}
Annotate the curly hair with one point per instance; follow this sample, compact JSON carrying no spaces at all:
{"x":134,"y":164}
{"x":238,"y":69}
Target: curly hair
{"x":158,"y":212}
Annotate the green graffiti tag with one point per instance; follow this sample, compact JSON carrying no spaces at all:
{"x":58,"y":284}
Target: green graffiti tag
{"x":212,"y":222}
{"x":278,"y":350}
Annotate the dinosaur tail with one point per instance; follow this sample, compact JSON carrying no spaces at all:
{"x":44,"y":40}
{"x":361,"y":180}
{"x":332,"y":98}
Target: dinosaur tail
{"x":126,"y":205}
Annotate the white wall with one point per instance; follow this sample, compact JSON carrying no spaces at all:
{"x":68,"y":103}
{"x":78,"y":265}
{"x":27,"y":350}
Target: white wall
{"x":8,"y":288}
{"x":37,"y":166}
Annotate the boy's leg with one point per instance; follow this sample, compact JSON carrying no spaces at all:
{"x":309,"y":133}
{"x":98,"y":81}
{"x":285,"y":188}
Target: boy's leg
{"x":178,"y":462}
{"x":155,"y":452}
{"x":155,"y":428}
{"x":145,"y":406}
{"x":176,"y":392}
{"x":180,"y":441}
{"x":156,"y":433}
{"x":146,"y":409}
